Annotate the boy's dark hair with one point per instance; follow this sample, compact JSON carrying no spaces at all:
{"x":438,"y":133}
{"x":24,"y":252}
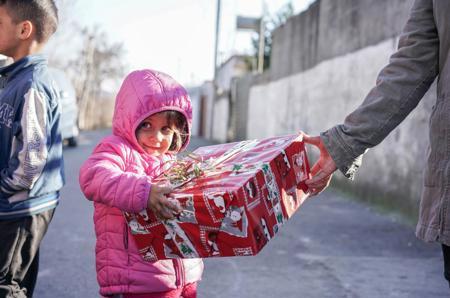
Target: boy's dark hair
{"x":42,"y":13}
{"x":177,"y":121}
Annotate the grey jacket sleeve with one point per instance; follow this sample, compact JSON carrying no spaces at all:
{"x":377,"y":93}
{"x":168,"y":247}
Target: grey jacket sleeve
{"x":399,"y":88}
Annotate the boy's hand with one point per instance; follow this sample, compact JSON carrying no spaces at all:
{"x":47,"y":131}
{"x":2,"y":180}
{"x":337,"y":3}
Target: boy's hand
{"x":323,"y":169}
{"x":161,"y":206}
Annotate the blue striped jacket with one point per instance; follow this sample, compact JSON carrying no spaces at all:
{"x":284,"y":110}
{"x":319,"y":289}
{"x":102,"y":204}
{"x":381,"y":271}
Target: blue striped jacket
{"x":31,"y":161}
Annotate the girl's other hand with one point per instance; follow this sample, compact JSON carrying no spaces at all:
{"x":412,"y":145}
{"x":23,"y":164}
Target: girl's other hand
{"x":161,"y":206}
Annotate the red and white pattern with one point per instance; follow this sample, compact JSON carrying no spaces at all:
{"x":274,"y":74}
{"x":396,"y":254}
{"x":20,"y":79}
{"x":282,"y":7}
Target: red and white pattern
{"x":247,"y":191}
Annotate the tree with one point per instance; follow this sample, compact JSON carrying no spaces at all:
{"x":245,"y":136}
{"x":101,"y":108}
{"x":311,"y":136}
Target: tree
{"x":98,"y":62}
{"x":90,"y":60}
{"x":66,"y":34}
{"x":270,"y":24}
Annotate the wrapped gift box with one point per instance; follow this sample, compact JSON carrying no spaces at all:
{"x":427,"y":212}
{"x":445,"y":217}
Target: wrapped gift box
{"x":235,"y":197}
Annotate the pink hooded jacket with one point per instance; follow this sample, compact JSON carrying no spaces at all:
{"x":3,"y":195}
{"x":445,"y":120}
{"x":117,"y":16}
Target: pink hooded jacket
{"x":117,"y":177}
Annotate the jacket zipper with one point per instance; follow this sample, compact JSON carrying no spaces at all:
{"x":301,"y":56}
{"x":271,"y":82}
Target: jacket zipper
{"x":125,"y":241}
{"x":179,"y":272}
{"x":442,"y":214}
{"x":444,"y":203}
{"x":183,"y":277}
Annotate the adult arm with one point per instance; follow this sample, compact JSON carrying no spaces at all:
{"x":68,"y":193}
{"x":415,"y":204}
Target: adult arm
{"x":399,"y":88}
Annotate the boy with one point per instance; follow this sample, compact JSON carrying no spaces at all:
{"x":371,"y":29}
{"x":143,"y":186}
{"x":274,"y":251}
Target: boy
{"x":31,"y":165}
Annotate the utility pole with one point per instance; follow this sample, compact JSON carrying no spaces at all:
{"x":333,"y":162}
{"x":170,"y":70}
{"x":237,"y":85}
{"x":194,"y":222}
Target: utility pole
{"x":262,"y":38}
{"x":257,"y":25}
{"x":216,"y":46}
{"x":216,"y":49}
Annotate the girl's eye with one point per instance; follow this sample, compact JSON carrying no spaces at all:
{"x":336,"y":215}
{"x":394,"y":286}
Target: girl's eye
{"x":146,"y":125}
{"x":166,"y":130}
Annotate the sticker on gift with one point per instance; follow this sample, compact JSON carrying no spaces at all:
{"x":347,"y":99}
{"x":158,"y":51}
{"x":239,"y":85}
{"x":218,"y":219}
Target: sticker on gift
{"x":235,"y":222}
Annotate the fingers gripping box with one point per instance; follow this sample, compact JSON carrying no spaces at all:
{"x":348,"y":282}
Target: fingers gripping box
{"x":235,"y":197}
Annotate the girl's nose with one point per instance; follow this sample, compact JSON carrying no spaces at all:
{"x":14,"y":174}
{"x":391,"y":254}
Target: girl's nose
{"x":158,"y":135}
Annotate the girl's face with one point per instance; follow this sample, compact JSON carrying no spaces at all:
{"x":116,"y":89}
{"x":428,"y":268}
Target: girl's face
{"x":154,"y":135}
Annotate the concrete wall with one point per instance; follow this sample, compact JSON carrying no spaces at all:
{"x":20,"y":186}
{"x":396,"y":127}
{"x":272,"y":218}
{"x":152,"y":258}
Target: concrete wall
{"x":220,"y":119}
{"x":324,"y":62}
{"x":231,"y":111}
{"x":195,"y":95}
{"x":223,"y":108}
{"x":331,"y":28}
{"x":207,"y":110}
{"x":239,"y":115}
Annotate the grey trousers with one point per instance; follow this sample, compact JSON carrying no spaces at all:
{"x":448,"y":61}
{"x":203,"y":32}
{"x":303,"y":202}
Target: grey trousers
{"x":19,"y":253}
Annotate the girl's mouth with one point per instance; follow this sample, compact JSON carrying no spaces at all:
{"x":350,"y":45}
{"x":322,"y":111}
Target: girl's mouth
{"x":152,"y":148}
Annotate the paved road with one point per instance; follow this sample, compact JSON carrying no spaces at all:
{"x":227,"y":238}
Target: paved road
{"x":333,"y":247}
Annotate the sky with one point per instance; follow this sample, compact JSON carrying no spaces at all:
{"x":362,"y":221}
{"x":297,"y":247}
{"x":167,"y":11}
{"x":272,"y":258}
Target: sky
{"x":176,"y":36}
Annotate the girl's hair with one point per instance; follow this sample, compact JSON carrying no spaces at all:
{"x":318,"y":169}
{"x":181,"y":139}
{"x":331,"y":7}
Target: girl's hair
{"x":178,"y":123}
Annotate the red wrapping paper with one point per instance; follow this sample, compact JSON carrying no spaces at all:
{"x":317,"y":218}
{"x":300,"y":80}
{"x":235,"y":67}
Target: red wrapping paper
{"x":246,"y":192}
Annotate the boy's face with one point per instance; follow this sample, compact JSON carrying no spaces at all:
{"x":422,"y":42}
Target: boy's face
{"x":155,"y":135}
{"x":9,"y":33}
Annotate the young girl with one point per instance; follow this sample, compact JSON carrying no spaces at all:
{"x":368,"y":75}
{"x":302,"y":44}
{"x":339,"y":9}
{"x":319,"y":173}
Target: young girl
{"x":151,"y":122}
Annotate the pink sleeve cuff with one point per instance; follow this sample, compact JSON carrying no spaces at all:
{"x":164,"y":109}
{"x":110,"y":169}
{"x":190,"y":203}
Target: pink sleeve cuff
{"x":142,"y":194}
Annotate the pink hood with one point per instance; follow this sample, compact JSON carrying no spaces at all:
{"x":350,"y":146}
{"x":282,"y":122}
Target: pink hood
{"x":146,"y":92}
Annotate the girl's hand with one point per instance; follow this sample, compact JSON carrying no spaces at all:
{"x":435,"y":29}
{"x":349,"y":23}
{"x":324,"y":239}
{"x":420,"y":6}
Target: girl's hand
{"x":161,"y":206}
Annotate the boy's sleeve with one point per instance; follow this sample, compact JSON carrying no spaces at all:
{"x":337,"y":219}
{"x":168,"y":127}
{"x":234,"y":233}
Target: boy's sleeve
{"x":399,"y":88}
{"x":103,"y":178}
{"x":29,"y":148}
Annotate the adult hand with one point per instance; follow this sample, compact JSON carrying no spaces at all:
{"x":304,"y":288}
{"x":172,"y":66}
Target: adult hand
{"x":161,"y":206}
{"x":323,"y":169}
